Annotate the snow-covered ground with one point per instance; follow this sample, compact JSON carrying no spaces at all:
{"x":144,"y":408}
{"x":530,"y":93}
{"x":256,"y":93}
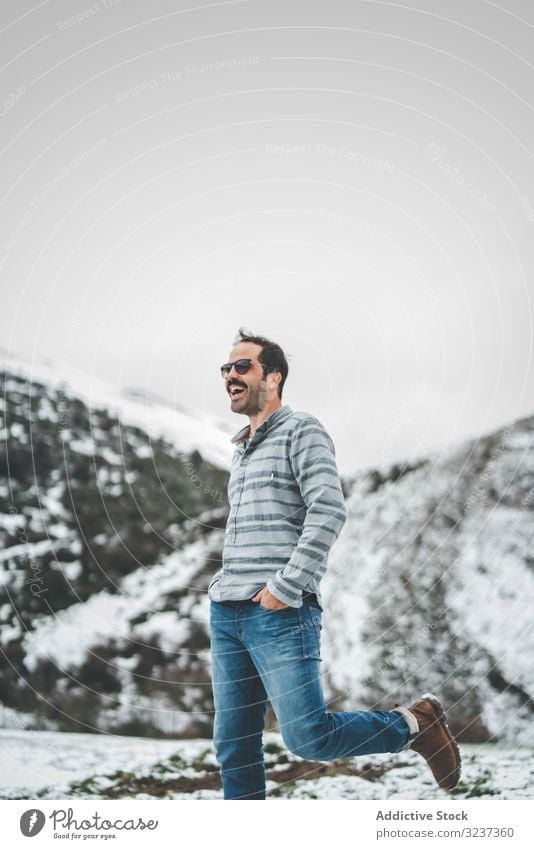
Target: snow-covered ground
{"x":33,"y":759}
{"x":51,"y":765}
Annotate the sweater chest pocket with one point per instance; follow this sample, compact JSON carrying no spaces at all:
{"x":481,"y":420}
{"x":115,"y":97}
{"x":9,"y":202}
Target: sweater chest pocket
{"x":270,"y":478}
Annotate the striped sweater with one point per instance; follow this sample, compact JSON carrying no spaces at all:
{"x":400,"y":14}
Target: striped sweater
{"x":286,"y":510}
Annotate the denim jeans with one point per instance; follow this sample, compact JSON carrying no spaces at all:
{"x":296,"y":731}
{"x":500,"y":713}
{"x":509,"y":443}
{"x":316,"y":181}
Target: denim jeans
{"x":261,"y":655}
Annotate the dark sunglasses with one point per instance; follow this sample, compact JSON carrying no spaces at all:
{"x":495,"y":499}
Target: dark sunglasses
{"x":241,"y":367}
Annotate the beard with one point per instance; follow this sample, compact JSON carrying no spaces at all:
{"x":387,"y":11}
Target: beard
{"x":253,"y":401}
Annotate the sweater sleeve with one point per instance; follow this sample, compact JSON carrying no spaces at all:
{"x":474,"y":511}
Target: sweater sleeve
{"x":312,"y":458}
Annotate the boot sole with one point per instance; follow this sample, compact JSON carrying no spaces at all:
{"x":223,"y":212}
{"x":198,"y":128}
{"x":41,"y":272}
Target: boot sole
{"x":438,"y":707}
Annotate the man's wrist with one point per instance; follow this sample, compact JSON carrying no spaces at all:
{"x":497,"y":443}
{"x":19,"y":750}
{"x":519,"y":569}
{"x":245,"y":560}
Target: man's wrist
{"x":279,"y":592}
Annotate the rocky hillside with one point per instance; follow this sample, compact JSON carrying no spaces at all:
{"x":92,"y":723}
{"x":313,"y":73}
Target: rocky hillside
{"x":110,"y":531}
{"x":431,"y":585}
{"x":108,"y":537}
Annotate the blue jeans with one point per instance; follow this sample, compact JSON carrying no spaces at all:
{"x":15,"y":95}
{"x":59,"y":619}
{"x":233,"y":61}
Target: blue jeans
{"x":261,"y":655}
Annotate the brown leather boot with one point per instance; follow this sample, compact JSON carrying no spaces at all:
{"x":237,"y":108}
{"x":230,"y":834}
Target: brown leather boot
{"x":434,"y":741}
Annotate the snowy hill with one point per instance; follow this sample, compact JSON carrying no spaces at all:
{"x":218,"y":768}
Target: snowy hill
{"x":431,"y":586}
{"x":108,"y":545}
{"x":188,"y":429}
{"x":109,"y":534}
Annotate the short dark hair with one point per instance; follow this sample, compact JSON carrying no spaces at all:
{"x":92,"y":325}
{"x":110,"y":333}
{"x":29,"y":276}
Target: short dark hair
{"x":271,"y":356}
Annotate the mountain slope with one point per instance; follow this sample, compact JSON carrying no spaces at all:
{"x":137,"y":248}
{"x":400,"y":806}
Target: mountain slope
{"x":431,"y":586}
{"x":97,"y":517}
{"x":186,"y":428}
{"x":109,"y":536}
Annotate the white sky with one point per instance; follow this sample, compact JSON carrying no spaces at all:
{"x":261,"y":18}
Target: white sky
{"x":353,"y":180}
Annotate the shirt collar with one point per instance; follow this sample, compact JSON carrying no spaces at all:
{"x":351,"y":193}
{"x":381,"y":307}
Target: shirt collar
{"x":269,"y":422}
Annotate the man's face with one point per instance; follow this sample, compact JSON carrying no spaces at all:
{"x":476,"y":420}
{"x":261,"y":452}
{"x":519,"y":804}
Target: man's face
{"x":256,"y":391}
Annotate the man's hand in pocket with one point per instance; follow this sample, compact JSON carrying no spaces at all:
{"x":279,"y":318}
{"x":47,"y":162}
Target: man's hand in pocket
{"x":268,"y":600}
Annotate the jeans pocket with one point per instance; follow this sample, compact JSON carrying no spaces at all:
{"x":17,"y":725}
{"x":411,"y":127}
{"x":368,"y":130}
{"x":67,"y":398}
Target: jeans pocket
{"x":282,"y":612}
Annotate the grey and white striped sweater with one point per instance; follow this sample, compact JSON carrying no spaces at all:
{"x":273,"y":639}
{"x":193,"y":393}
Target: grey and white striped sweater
{"x":286,"y":510}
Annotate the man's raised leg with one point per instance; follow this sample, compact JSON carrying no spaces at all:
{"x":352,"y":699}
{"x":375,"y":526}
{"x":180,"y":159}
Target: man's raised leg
{"x":285,"y":647}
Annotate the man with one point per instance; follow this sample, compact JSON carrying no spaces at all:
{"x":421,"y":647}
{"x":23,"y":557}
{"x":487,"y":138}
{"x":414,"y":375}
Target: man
{"x":286,"y":511}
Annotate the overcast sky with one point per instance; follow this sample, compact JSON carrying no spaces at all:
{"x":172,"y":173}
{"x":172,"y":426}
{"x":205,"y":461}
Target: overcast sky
{"x":352,"y":179}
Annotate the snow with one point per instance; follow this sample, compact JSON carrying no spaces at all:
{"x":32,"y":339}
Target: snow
{"x":32,"y":759}
{"x":188,"y":429}
{"x":44,"y":764}
{"x":67,"y":637}
{"x":14,"y":719}
{"x":37,"y":549}
{"x":485,"y":562}
{"x":170,"y":631}
{"x":80,"y":446}
{"x":11,"y":521}
{"x":462,"y":521}
{"x":496,"y":604}
{"x":71,"y":570}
